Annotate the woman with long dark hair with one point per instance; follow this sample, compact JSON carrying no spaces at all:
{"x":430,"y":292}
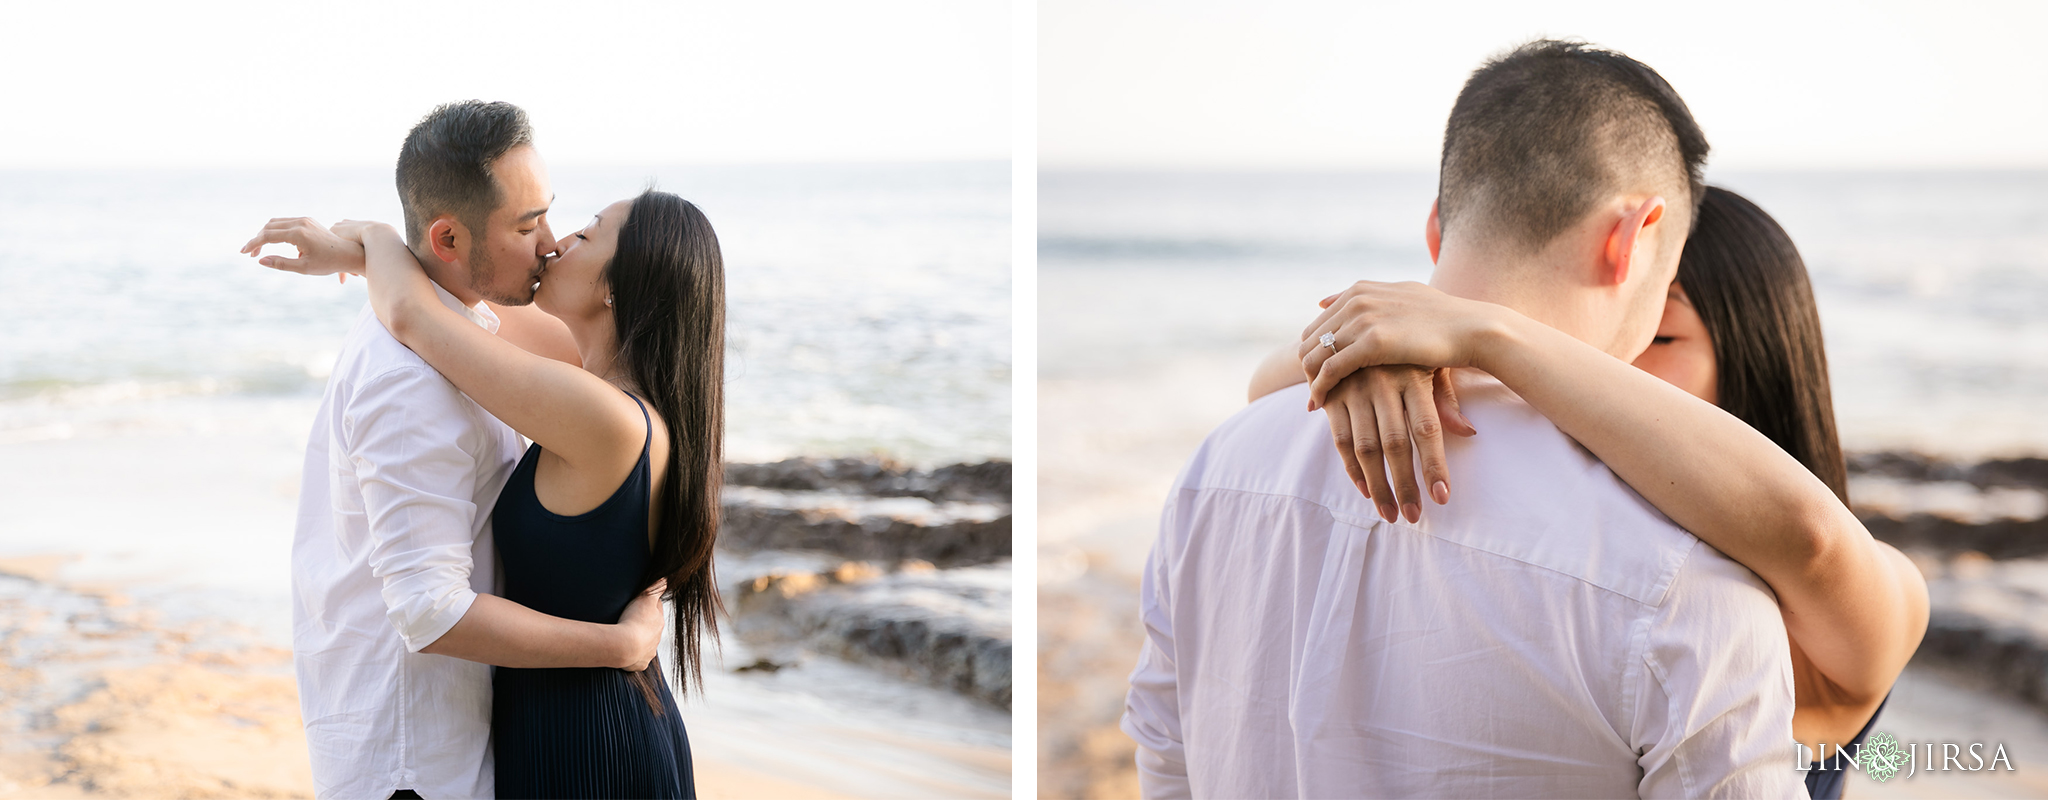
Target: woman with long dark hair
{"x":1763,"y":475}
{"x":619,"y":493}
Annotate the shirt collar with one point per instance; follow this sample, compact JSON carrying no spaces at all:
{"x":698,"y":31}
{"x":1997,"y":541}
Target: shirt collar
{"x":481,"y":314}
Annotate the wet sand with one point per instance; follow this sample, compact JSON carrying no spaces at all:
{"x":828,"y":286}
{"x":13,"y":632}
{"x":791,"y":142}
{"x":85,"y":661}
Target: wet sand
{"x":105,"y":696}
{"x":116,"y":701}
{"x":122,"y":704}
{"x":1109,"y":448}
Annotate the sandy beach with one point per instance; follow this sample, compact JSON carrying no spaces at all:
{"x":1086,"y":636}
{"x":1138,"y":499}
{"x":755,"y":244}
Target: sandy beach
{"x":122,"y":704}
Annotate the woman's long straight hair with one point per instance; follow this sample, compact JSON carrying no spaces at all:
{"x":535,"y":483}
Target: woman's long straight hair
{"x":1747,"y":282}
{"x":668,"y":288}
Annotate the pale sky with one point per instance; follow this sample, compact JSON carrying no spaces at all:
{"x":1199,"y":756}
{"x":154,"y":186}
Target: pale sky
{"x":95,"y":84}
{"x":1779,"y":84}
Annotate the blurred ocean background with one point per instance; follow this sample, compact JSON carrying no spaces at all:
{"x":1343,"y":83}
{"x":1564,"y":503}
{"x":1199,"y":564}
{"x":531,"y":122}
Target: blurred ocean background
{"x":869,"y":304}
{"x":1159,"y":291}
{"x":157,"y":387}
{"x":1931,"y":286}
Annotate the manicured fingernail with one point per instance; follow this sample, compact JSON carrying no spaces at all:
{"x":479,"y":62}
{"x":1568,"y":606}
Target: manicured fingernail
{"x":1362,"y":490}
{"x":1386,"y":511}
{"x":1413,"y":511}
{"x":1440,"y":493}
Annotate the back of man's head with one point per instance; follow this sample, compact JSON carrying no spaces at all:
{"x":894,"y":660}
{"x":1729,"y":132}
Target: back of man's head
{"x":1543,"y":133}
{"x":445,"y":166}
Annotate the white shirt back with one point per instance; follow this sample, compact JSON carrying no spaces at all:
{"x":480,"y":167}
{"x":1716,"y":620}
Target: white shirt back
{"x":1547,"y":634}
{"x":393,"y":545}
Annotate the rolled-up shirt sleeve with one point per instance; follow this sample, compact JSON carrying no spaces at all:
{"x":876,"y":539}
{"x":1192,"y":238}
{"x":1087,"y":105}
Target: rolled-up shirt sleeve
{"x":1152,"y":708}
{"x":1715,"y":689}
{"x":418,"y":474}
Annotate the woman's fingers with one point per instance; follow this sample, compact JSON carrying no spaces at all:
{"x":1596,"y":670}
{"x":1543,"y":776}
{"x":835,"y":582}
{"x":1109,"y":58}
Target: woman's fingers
{"x":270,"y":234}
{"x":1322,"y":318}
{"x":1331,"y":370}
{"x":1365,"y":446}
{"x":1395,"y":440}
{"x":1418,"y":396}
{"x":1332,"y":306}
{"x":279,"y":230}
{"x":1447,"y":405}
{"x":282,"y":263}
{"x":1340,"y":432}
{"x":1313,"y":354}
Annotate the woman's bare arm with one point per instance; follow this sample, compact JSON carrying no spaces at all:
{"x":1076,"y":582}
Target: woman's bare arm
{"x":568,"y":411}
{"x":1278,"y":370}
{"x":503,"y":633}
{"x":1855,"y":606}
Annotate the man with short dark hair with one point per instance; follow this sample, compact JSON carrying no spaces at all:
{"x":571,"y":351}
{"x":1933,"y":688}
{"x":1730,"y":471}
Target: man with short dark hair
{"x":452,"y":182}
{"x":1549,"y":635}
{"x":394,"y":622}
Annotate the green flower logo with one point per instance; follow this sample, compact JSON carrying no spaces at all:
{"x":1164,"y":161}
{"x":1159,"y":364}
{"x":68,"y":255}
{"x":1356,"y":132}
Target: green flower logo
{"x":1881,"y":757}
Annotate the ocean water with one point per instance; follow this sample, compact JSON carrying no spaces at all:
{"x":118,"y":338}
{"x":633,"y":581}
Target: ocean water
{"x":868,"y":304}
{"x":1932,"y":287}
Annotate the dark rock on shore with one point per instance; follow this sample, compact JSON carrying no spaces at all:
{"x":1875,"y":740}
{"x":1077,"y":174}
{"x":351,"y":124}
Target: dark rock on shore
{"x":2004,"y":538}
{"x":2025,"y":472}
{"x":1990,"y":619}
{"x":890,"y":530}
{"x":1995,"y":507}
{"x":843,"y":557}
{"x":946,"y":628}
{"x":1979,"y":532}
{"x":987,"y":481}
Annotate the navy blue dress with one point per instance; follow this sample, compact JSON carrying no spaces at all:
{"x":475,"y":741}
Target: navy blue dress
{"x":596,"y":732}
{"x":1824,"y":778}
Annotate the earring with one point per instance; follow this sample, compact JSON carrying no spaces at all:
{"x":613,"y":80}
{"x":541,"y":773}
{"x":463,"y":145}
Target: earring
{"x":607,"y":302}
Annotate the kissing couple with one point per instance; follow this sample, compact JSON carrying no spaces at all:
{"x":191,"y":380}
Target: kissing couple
{"x":1638,"y":574}
{"x":469,"y":621}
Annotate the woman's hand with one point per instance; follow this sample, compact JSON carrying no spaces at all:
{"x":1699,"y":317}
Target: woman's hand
{"x":321,"y":252}
{"x":1381,"y":419}
{"x":640,"y":627}
{"x":1373,"y":323}
{"x":1384,"y":383}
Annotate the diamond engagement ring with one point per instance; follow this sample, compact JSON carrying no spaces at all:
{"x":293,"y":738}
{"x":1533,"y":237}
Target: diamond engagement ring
{"x":1329,"y":340}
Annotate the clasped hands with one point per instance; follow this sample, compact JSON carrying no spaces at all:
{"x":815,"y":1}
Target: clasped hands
{"x":1385,"y":384}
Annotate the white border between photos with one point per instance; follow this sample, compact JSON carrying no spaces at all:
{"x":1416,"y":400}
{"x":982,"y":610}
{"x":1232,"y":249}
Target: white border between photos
{"x":1024,"y":398}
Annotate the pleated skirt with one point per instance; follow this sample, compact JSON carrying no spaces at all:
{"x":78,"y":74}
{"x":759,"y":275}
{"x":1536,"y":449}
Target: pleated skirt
{"x":560,"y":733}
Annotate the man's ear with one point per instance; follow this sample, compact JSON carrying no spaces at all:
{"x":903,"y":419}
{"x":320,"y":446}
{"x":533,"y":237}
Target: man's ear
{"x":1620,"y":256}
{"x":447,"y":239}
{"x":1434,"y":232}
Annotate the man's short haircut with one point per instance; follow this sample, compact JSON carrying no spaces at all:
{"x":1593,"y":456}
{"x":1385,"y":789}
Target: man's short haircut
{"x":445,"y":166}
{"x":1541,"y":133}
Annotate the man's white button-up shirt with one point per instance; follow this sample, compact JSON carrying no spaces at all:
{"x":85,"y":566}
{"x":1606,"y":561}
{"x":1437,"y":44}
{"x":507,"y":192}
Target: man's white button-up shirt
{"x":1547,"y":634}
{"x":393,"y":545}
